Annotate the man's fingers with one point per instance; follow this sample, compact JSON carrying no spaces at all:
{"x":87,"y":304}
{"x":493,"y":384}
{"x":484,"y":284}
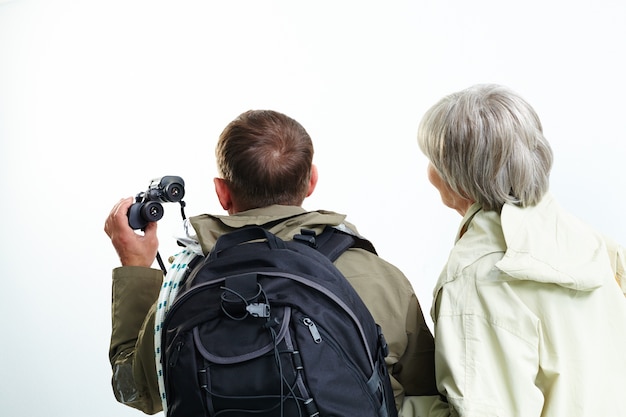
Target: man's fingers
{"x":121,"y":208}
{"x":117,"y":215}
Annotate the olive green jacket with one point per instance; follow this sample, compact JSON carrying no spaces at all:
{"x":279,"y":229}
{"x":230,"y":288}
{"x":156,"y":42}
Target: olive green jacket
{"x":384,"y":289}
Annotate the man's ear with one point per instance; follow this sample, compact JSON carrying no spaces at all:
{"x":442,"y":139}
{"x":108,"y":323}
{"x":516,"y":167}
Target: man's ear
{"x":223,"y":193}
{"x":313,"y":180}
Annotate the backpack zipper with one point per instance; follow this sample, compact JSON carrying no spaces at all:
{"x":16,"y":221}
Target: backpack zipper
{"x":315,"y":333}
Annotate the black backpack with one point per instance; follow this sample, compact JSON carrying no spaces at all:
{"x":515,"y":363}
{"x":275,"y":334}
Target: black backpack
{"x":265,"y":327}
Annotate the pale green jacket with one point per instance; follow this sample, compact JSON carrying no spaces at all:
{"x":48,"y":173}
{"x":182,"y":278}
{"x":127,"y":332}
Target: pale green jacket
{"x":385,"y":290}
{"x":528,"y":319}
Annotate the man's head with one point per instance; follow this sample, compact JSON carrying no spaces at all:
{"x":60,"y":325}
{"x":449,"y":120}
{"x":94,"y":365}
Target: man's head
{"x":264,"y":158}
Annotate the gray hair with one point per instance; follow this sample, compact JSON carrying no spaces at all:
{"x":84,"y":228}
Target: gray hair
{"x":487,"y":144}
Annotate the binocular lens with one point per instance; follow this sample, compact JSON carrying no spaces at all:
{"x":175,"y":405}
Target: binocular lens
{"x":174,"y":192}
{"x":152,"y":211}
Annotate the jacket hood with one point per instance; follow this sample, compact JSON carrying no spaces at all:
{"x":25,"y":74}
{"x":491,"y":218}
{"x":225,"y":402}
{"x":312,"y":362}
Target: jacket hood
{"x":546,"y":244}
{"x":284,"y":221}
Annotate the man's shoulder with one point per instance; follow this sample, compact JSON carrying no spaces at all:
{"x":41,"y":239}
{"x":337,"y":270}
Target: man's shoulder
{"x":284,"y":221}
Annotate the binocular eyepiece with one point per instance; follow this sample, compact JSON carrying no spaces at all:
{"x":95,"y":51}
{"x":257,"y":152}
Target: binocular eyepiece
{"x":147,"y":207}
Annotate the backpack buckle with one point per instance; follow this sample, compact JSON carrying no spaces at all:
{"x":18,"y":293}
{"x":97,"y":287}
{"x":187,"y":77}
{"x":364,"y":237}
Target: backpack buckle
{"x":306,"y":236}
{"x":244,"y":296}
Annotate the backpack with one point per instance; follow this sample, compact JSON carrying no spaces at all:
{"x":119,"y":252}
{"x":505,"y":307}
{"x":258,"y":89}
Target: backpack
{"x":270,"y":328}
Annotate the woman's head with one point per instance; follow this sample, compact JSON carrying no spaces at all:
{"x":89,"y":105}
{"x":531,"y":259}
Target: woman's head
{"x":487,"y":144}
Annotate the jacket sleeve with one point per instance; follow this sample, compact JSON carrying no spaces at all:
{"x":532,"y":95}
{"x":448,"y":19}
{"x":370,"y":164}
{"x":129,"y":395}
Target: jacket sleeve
{"x":389,"y":296}
{"x":617,"y":254}
{"x":415,"y":369}
{"x":486,"y":365}
{"x":131,"y":353}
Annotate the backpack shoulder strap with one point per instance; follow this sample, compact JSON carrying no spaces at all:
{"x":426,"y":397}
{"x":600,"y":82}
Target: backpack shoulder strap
{"x":332,"y":242}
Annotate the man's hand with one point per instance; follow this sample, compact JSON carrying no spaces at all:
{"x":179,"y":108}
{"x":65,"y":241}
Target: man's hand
{"x":133,"y":248}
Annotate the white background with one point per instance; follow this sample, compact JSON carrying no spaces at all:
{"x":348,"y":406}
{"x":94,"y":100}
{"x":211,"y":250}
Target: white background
{"x":97,"y":97}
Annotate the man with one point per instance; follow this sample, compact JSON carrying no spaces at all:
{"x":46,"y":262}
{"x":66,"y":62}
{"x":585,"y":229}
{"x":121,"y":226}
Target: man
{"x":265,"y":165}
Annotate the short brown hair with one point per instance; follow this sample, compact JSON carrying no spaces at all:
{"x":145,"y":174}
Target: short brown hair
{"x":265,"y":157}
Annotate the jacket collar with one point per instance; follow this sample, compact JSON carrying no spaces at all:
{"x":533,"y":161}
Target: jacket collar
{"x":285,"y":221}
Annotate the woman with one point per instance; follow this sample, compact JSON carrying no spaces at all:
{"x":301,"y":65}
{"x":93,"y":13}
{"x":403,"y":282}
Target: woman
{"x":528,"y":318}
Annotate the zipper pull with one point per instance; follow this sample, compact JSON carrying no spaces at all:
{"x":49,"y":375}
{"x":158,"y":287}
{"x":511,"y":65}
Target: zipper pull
{"x":176,"y":353}
{"x":317,"y":337}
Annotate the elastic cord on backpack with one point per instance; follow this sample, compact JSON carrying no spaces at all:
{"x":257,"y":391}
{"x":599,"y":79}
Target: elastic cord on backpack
{"x":284,"y":382}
